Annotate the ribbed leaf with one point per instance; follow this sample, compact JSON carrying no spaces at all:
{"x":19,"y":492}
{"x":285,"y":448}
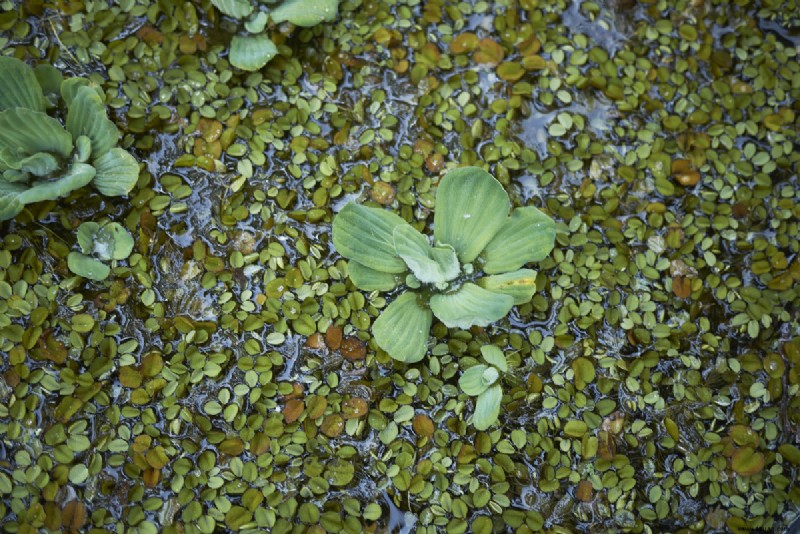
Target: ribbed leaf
{"x":366,"y":235}
{"x":70,"y":87}
{"x":50,"y":80}
{"x":519,"y":284}
{"x":306,"y":13}
{"x":40,"y":164}
{"x":117,"y":173}
{"x":471,"y":380}
{"x":527,"y":236}
{"x":469,"y":306}
{"x":85,"y":236}
{"x":494,"y":356}
{"x":369,"y":279}
{"x":471,"y":206}
{"x":251,"y":52}
{"x":122,"y":241}
{"x":87,"y":267}
{"x":237,"y":9}
{"x":78,"y":176}
{"x":429,"y":265}
{"x":10,"y":206}
{"x":487,"y":408}
{"x":403,"y":328}
{"x":87,"y":116}
{"x":18,"y":86}
{"x":24,"y":133}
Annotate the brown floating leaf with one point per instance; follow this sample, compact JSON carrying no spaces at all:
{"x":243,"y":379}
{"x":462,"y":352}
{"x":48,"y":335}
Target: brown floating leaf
{"x":747,"y":461}
{"x":489,"y":52}
{"x":353,"y":349}
{"x":584,"y":491}
{"x":333,"y":337}
{"x":316,"y":406}
{"x":293,"y":410}
{"x":73,"y":516}
{"x":383,"y":193}
{"x":151,"y":476}
{"x":332,"y":425}
{"x":130,"y":377}
{"x":465,"y":42}
{"x":354,"y":408}
{"x":682,"y":286}
{"x":315,"y":341}
{"x":423,"y":426}
{"x":259,"y":444}
{"x":231,"y":446}
{"x":52,"y":349}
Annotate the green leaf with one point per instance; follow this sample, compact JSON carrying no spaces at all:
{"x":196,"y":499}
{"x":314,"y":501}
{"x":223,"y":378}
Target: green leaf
{"x":305,"y":13}
{"x":237,"y":9}
{"x":527,"y":236}
{"x":490,"y":376}
{"x":403,"y":328}
{"x":70,"y":88}
{"x":87,"y":267}
{"x":429,"y":265}
{"x":50,"y":80}
{"x":369,"y":279}
{"x":494,"y":356}
{"x":469,"y":306}
{"x":251,"y":52}
{"x":487,"y":408}
{"x":85,"y":236}
{"x":39,"y":164}
{"x":122,"y":241}
{"x":19,"y":87}
{"x":471,"y":380}
{"x":24,"y":133}
{"x":117,"y":173}
{"x":521,"y":284}
{"x":87,"y":116}
{"x":10,"y":206}
{"x":471,"y":206}
{"x":256,"y":23}
{"x":78,"y":176}
{"x":366,"y":235}
{"x":584,"y":372}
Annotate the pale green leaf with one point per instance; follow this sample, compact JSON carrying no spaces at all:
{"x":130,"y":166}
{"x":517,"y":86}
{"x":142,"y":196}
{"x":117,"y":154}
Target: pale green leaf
{"x":19,"y":87}
{"x":24,"y":132}
{"x":403,"y":328}
{"x":471,"y":380}
{"x":71,"y":86}
{"x":85,"y":235}
{"x":87,"y":116}
{"x":487,"y":407}
{"x":527,"y":236}
{"x":470,"y":306}
{"x":122,"y":241}
{"x":429,"y":265}
{"x":521,"y":284}
{"x":237,"y":9}
{"x":489,"y":376}
{"x":256,"y":23}
{"x":251,"y":52}
{"x":10,"y":206}
{"x":50,"y":80}
{"x":87,"y":267}
{"x":117,"y":172}
{"x":365,"y":235}
{"x":369,"y":279}
{"x":78,"y":176}
{"x":471,"y":206}
{"x":39,"y":164}
{"x":305,"y":13}
{"x":494,"y":356}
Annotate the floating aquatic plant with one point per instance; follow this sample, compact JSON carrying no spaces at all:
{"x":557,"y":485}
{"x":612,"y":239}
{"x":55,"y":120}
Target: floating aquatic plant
{"x":43,"y":159}
{"x":483,"y":381}
{"x":253,"y":49}
{"x":99,"y":244}
{"x":473,"y":234}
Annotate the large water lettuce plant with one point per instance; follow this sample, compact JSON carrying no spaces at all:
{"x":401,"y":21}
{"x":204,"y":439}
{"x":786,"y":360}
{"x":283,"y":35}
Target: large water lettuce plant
{"x":252,"y":48}
{"x":470,"y":275}
{"x":43,"y":158}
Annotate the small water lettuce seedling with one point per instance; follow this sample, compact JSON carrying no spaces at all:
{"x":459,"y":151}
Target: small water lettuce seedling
{"x":472,"y":273}
{"x":483,"y":381}
{"x":43,"y":159}
{"x":253,"y":49}
{"x":99,"y":244}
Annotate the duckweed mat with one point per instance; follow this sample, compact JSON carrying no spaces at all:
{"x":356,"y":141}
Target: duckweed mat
{"x":224,"y":377}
